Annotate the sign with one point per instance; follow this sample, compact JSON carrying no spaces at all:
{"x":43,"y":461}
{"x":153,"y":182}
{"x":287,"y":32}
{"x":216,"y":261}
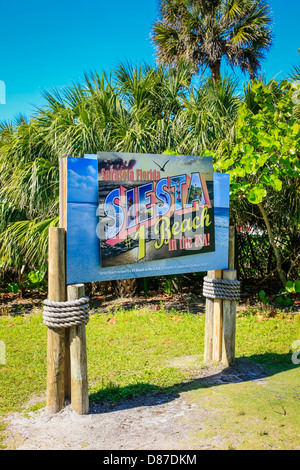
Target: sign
{"x":140,"y":215}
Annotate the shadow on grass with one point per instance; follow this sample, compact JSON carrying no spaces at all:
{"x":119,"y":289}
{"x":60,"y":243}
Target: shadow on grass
{"x":254,"y":368}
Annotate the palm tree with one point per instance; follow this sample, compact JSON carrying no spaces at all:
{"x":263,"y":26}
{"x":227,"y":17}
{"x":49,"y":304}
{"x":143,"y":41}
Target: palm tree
{"x":203,"y":32}
{"x":28,"y":194}
{"x":211,"y":112}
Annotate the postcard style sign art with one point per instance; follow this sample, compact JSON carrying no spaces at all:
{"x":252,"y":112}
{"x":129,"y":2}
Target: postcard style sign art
{"x":141,"y":215}
{"x":154,"y":208}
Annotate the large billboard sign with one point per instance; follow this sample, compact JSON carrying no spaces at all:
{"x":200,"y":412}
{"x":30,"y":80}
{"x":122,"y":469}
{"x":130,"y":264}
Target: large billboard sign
{"x":140,"y":215}
{"x":154,"y":208}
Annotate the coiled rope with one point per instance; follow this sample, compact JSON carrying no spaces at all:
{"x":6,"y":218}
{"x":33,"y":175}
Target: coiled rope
{"x":66,"y":314}
{"x":221,"y":289}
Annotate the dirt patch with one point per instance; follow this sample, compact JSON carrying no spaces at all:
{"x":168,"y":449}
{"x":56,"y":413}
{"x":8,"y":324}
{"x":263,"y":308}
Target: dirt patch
{"x":151,"y":422}
{"x":13,"y":304}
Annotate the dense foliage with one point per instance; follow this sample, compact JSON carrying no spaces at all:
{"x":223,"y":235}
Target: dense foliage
{"x":147,"y":109}
{"x":264,"y":162}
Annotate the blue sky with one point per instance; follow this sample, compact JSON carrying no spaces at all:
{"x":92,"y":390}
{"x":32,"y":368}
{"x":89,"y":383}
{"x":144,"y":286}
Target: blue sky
{"x":51,"y":44}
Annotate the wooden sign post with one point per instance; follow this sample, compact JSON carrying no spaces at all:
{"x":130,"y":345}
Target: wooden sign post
{"x":66,"y":347}
{"x":220,"y":316}
{"x":78,"y":358}
{"x":56,"y":346}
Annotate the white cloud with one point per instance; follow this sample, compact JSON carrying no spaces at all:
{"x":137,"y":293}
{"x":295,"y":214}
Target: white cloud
{"x":77,"y":180}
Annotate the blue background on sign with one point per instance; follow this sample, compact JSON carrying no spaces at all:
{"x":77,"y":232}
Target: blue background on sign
{"x":83,"y":245}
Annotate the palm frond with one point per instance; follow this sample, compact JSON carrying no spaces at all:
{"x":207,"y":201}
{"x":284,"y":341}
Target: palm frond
{"x":294,"y":75}
{"x":203,"y":32}
{"x":26,"y":240}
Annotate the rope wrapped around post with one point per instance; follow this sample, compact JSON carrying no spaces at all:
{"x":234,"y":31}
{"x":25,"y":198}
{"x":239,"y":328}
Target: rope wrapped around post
{"x":66,"y":314}
{"x":221,"y":289}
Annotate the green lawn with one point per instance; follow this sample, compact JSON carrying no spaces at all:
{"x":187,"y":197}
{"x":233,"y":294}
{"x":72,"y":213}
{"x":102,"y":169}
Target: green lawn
{"x":133,"y":352}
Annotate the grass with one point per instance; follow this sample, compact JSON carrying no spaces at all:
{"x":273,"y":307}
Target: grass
{"x":134,"y":352}
{"x":251,"y":416}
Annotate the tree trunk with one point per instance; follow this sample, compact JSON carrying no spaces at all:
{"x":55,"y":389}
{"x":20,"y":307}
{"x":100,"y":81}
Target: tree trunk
{"x":273,"y":244}
{"x":215,"y":71}
{"x":126,"y":287}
